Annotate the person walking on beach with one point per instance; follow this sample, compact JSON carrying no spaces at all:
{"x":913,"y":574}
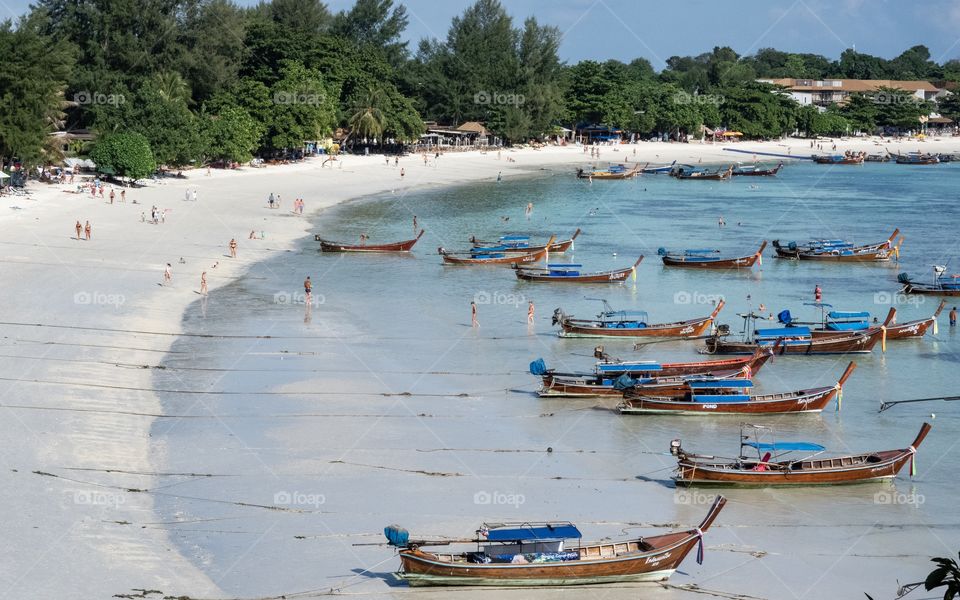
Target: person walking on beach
{"x":123,"y":195}
{"x":530,"y":312}
{"x":233,"y":247}
{"x":817,"y":293}
{"x":401,"y":173}
{"x":167,"y":274}
{"x":186,"y":195}
{"x":79,"y":229}
{"x":112,"y":194}
{"x":194,"y":194}
{"x":473,"y":315}
{"x":203,"y":283}
{"x":953,"y":317}
{"x":87,"y":230}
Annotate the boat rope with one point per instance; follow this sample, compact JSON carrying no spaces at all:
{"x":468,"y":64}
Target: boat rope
{"x":913,"y":460}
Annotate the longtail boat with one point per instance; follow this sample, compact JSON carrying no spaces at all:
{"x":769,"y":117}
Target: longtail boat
{"x":520,"y":244}
{"x":877,"y":158}
{"x":916,"y":158}
{"x":755,"y":171}
{"x":570,"y":273}
{"x":774,"y":466}
{"x":619,"y":171}
{"x":689,"y":172}
{"x":840,"y":250}
{"x":405,"y":246}
{"x":622,"y":323}
{"x":546,"y":554}
{"x":709,"y":259}
{"x":614,"y":380}
{"x":658,"y":169}
{"x":847,"y":158}
{"x":941,"y":285}
{"x":492,"y":258}
{"x":796,"y":340}
{"x":839,"y":323}
{"x":730,"y":396}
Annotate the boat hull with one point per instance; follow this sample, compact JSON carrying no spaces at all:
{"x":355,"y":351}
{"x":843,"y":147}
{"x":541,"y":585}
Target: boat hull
{"x":508,"y":259}
{"x":857,"y":343}
{"x":404,"y":246}
{"x":806,"y":401}
{"x":699,"y":474}
{"x":592,"y":329}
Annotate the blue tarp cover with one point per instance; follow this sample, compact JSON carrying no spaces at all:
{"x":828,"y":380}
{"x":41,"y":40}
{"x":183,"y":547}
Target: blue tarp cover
{"x":787,"y":446}
{"x":396,"y":535}
{"x":786,"y":332}
{"x":629,"y":367}
{"x":839,"y":314}
{"x":534,"y":532}
{"x":726,"y":383}
{"x":538,"y":367}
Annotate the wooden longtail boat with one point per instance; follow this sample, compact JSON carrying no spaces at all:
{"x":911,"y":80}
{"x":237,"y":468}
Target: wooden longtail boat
{"x":730,"y":396}
{"x":772,"y":469}
{"x":570,"y":273}
{"x":795,"y":340}
{"x":840,"y":250}
{"x":704,"y":259}
{"x":601,"y":383}
{"x":688,"y":172}
{"x":612,"y":172}
{"x":838,"y":324}
{"x":492,"y":258}
{"x":631,"y":324}
{"x":755,"y":171}
{"x":916,"y":158}
{"x":847,"y":158}
{"x":535,"y":554}
{"x":941,"y":286}
{"x":520,"y":244}
{"x":877,"y":158}
{"x":658,"y":169}
{"x":405,"y":246}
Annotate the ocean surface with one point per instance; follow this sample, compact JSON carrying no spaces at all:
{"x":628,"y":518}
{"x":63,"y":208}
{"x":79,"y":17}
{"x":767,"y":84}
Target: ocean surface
{"x":309,"y":429}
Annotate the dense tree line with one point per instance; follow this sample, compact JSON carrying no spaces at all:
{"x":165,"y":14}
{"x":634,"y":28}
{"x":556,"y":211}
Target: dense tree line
{"x":197,"y":81}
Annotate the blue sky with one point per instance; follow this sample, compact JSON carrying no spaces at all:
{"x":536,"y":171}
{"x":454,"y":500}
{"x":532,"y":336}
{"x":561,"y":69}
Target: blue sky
{"x":658,"y":29}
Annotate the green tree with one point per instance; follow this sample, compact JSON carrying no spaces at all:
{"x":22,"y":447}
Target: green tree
{"x":367,"y":117}
{"x":232,"y":135}
{"x":304,"y":108}
{"x":375,"y":23}
{"x":126,"y":154}
{"x":32,"y":83}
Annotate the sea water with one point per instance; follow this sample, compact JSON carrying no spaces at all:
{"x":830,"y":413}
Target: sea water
{"x":378,"y":403}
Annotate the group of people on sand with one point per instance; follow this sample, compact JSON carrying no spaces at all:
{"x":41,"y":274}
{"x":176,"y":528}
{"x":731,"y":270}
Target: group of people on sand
{"x":83,"y":231}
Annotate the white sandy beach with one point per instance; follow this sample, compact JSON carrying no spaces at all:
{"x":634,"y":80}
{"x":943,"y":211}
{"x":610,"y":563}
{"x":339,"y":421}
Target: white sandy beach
{"x":79,"y":463}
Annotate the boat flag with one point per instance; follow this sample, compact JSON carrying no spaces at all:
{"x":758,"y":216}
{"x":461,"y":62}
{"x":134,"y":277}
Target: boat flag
{"x":759,"y":259}
{"x":839,"y":396}
{"x":913,"y":463}
{"x":935,"y":326}
{"x":633,"y":275}
{"x":883,"y":338}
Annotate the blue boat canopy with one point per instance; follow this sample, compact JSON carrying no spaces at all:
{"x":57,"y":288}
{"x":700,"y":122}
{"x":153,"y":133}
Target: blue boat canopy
{"x":839,"y":314}
{"x":624,"y":315}
{"x":787,"y":446}
{"x":628,"y":367}
{"x":726,"y":383}
{"x":545,"y":531}
{"x":785,"y":332}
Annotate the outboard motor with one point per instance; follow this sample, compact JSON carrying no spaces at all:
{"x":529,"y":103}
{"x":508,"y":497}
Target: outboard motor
{"x":557,"y":316}
{"x":723,"y":329}
{"x":675,"y":447}
{"x":785,"y":317}
{"x":661,"y":251}
{"x":903,"y":278}
{"x":599,"y":353}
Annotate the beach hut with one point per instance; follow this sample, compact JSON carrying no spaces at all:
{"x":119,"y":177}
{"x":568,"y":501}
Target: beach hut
{"x":475,"y":133}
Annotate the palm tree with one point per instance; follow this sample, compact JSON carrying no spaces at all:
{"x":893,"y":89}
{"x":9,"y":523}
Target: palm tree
{"x":172,"y":86}
{"x":367,"y":118}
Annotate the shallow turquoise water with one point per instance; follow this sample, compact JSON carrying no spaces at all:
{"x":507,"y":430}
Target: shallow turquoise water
{"x":383,"y":388}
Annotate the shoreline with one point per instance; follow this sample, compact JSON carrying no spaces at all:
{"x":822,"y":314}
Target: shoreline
{"x":59,"y":281}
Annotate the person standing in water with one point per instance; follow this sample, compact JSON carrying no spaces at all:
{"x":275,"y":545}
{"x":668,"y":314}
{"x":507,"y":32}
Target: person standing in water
{"x":529,"y":210}
{"x":953,"y":317}
{"x":233,"y":247}
{"x":167,"y":274}
{"x":530,"y":313}
{"x":308,"y":289}
{"x":817,"y":293}
{"x":203,"y":283}
{"x":473,"y":315}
